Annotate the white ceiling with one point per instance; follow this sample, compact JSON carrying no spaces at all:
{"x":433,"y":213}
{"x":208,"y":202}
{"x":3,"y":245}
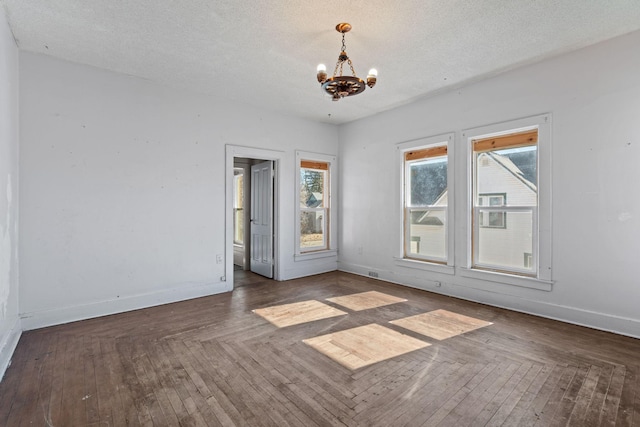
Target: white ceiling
{"x":265,"y":52}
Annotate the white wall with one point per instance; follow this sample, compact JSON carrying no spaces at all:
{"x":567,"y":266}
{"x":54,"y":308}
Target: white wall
{"x":123,"y":189}
{"x":594,"y":98}
{"x":10,"y":328}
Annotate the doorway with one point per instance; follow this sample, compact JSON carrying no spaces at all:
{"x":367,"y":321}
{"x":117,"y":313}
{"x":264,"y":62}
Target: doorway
{"x":251,"y":210}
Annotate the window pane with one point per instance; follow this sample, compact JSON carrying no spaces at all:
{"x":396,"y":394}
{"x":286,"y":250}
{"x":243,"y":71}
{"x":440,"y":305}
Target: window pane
{"x":312,"y":229}
{"x":312,"y":184}
{"x":427,"y":233}
{"x":427,"y":181}
{"x":425,"y":203}
{"x":507,"y":177}
{"x":238,"y":203}
{"x":508,"y":247}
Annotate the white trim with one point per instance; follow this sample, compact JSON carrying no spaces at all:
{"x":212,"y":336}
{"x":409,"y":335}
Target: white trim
{"x":316,"y":255}
{"x":425,"y":266}
{"x":505,"y":278}
{"x":8,"y":345}
{"x":57,"y":316}
{"x":332,"y":172}
{"x":231,"y":152}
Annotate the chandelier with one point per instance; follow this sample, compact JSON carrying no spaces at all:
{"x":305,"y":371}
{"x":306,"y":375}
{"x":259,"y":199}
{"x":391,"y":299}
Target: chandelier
{"x":339,"y":86}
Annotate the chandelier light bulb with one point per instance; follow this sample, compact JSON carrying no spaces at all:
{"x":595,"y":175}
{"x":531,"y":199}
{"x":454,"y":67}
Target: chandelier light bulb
{"x":372,"y":77}
{"x":322,"y":73}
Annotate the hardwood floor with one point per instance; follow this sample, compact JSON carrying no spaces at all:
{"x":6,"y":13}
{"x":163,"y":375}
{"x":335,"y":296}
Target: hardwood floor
{"x":212,"y":361}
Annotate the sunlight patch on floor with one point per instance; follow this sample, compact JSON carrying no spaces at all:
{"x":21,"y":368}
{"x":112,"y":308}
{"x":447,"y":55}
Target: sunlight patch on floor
{"x":365,"y":300}
{"x":364,"y":345}
{"x":297,"y":313}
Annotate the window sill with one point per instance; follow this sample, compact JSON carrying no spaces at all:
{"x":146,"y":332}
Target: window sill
{"x":508,"y":279}
{"x":425,"y":266}
{"x":315,"y":255}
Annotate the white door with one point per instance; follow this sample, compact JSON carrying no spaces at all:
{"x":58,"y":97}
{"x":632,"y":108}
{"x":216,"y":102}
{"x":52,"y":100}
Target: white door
{"x":261,"y":219}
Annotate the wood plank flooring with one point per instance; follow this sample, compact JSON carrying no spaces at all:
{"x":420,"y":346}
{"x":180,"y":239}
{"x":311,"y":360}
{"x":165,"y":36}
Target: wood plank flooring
{"x":213,"y":362}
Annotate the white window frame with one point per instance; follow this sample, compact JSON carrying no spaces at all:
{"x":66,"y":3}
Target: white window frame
{"x":541,"y":256}
{"x":330,"y":196}
{"x":447,"y":264}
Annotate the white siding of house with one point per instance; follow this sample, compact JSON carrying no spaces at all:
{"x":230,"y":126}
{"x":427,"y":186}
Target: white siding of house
{"x":505,"y":246}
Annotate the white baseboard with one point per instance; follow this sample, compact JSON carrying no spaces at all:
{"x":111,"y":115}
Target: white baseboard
{"x":57,"y":316}
{"x":8,"y":345}
{"x":577,"y":316}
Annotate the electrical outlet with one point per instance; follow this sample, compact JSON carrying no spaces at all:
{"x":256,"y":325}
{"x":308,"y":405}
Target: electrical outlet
{"x":438,"y":284}
{"x":373,"y":274}
{"x":359,"y":250}
{"x":219,"y":259}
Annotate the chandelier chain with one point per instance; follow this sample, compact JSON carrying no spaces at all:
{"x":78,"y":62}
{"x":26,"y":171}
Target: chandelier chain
{"x":351,"y":66}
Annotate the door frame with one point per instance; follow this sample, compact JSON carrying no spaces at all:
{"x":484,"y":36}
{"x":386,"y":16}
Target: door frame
{"x":238,"y":151}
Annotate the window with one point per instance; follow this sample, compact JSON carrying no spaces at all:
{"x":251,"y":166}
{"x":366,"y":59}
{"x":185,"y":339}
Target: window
{"x":316,"y":225}
{"x":502,"y":205}
{"x":505,"y":201}
{"x":426,"y":200}
{"x":494,"y":219}
{"x":238,"y":203}
{"x":314,"y":212}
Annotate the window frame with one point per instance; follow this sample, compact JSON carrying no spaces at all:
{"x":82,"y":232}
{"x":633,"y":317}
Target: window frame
{"x":329,"y":200}
{"x":541,"y":256}
{"x":402,"y":259}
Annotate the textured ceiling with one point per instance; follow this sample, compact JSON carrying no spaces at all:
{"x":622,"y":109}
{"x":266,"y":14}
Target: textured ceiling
{"x":265,"y":52}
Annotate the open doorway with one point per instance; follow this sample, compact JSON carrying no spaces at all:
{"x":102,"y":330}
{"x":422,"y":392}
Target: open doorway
{"x":253,"y":215}
{"x":251,"y":211}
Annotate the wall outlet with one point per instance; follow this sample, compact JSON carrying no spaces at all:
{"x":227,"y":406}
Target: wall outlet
{"x":219,"y":259}
{"x":359,"y":250}
{"x":373,"y":274}
{"x":438,"y":284}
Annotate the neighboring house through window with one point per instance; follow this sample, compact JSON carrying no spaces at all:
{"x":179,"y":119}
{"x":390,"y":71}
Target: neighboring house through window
{"x":505,"y":200}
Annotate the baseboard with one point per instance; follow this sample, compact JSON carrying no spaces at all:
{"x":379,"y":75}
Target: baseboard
{"x":8,"y":346}
{"x":57,"y":316}
{"x":577,"y":316}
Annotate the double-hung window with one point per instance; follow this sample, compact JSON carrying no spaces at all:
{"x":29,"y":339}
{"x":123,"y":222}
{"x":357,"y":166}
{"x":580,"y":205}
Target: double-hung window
{"x":316,"y":222}
{"x":426,"y":200}
{"x":505,"y":200}
{"x":509,"y":223}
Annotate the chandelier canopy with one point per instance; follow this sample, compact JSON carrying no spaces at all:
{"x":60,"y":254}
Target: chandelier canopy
{"x":339,"y":86}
